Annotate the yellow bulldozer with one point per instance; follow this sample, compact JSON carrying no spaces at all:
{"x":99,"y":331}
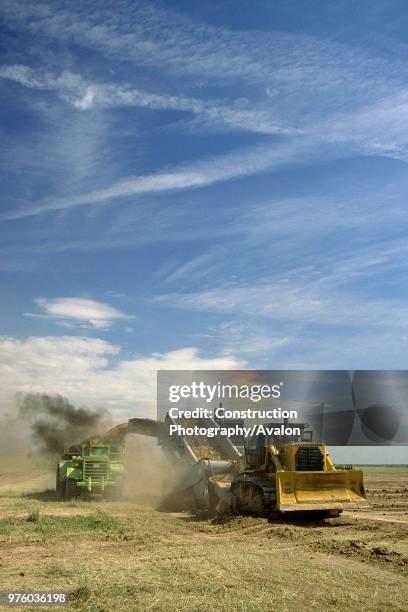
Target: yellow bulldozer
{"x":263,"y":476}
{"x":293,"y":477}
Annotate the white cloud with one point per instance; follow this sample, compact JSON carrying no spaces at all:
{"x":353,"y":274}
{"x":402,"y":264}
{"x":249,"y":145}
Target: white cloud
{"x":297,"y":300}
{"x":84,"y":95}
{"x":377,"y":128}
{"x":87,"y":101}
{"x":26,"y":76}
{"x":374,"y":129}
{"x":153,"y":35}
{"x":83,"y":312}
{"x":89,"y":371}
{"x":253,"y":339}
{"x":335,"y":76}
{"x":195,"y":175}
{"x":196,"y":265}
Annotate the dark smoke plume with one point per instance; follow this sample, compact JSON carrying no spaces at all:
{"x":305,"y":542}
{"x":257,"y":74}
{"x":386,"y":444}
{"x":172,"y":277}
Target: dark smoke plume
{"x":55,"y":422}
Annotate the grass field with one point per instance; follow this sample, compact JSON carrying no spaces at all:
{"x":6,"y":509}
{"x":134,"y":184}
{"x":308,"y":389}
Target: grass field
{"x":384,"y":469}
{"x":127,"y":556}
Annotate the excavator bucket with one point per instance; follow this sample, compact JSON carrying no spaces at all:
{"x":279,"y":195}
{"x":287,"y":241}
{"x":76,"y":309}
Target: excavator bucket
{"x":197,"y":486}
{"x":332,"y":490}
{"x":143,"y":427}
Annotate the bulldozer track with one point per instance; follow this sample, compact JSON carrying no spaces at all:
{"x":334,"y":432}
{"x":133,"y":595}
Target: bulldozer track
{"x":255,"y":486}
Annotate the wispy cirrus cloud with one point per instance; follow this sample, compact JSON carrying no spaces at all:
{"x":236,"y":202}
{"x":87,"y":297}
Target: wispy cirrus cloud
{"x":190,"y":176}
{"x":277,"y":272}
{"x":144,"y":32}
{"x":288,"y":301}
{"x":379,"y":129}
{"x":78,"y":312}
{"x":282,"y":67}
{"x":84,"y":95}
{"x":277,"y":68}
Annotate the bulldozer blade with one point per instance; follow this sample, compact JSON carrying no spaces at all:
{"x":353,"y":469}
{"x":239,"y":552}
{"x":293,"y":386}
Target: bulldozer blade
{"x":336,"y":490}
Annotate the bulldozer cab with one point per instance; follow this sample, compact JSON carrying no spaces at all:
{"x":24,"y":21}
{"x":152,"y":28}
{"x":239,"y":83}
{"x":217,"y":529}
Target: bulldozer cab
{"x":255,"y":450}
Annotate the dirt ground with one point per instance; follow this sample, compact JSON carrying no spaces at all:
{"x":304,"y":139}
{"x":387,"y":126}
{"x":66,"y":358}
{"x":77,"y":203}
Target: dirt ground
{"x":127,"y":556}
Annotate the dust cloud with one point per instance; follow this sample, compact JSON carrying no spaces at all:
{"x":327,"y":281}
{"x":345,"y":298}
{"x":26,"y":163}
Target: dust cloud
{"x":15,"y":434}
{"x":148,"y":473}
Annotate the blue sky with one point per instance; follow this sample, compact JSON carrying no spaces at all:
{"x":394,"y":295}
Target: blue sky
{"x":200,"y":185}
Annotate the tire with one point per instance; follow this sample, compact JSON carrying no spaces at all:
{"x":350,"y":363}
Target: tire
{"x":59,"y":490}
{"x":71,"y":490}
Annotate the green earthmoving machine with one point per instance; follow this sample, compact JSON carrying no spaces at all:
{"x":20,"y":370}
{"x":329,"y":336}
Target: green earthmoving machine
{"x":90,"y":468}
{"x":97,"y":464}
